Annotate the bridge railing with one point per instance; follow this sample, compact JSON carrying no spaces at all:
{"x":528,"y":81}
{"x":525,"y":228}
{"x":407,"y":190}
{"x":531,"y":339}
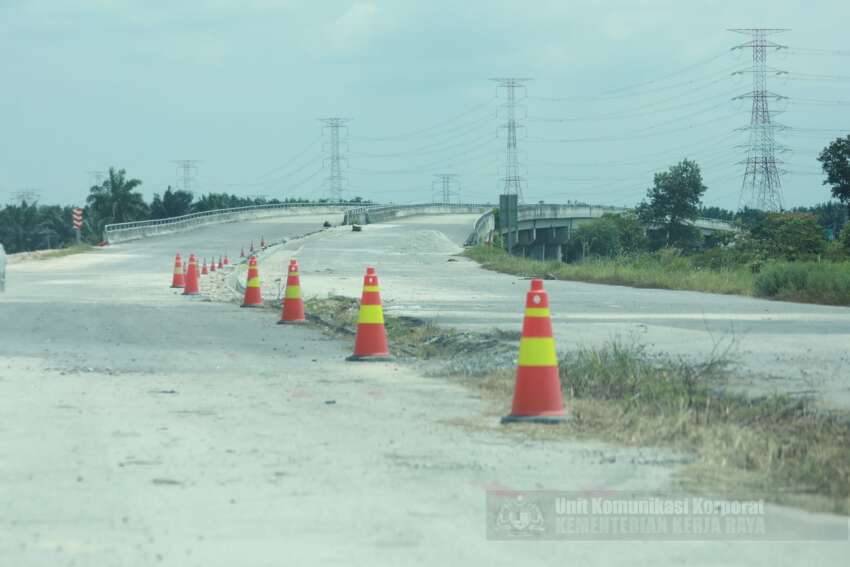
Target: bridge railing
{"x":384,"y":213}
{"x":122,"y":232}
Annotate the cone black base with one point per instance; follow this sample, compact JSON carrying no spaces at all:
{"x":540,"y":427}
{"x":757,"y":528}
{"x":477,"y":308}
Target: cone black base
{"x":292,"y":322}
{"x":544,"y":419}
{"x":250,"y":306}
{"x":355,"y":358}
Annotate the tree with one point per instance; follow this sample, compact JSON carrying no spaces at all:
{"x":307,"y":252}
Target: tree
{"x":835,"y":160}
{"x":172,"y":204}
{"x":845,"y":238}
{"x":609,"y":235}
{"x":672,"y":205}
{"x":789,"y":235}
{"x":116,"y":200}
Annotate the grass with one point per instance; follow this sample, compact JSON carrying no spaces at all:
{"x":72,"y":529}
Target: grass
{"x":779,"y":448}
{"x":809,"y":282}
{"x":804,"y":281}
{"x":646,"y":270}
{"x":60,"y":252}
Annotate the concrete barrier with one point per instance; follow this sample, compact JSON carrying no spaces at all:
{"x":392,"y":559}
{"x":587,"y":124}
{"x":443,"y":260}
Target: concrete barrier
{"x":123,"y":232}
{"x":387,"y":213}
{"x":483,"y":229}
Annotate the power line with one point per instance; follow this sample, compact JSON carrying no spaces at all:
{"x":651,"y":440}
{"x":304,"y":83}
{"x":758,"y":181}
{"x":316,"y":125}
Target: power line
{"x":419,"y":133}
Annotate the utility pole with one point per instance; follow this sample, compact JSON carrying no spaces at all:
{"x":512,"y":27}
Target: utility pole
{"x":441,"y":188}
{"x":338,"y":132}
{"x":186,"y":170}
{"x":513,"y":180}
{"x":761,"y":187}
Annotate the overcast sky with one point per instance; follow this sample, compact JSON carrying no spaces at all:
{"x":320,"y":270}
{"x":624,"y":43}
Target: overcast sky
{"x":620,"y":89}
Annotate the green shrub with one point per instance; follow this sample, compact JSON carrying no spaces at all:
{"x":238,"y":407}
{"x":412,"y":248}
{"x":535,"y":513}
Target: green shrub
{"x":790,"y":236}
{"x":814,"y":282}
{"x":723,"y":258}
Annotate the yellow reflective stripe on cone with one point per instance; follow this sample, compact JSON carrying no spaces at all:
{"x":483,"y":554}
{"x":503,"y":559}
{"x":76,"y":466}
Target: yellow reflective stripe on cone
{"x":293,"y":292}
{"x":537,"y":351}
{"x":254,"y":282}
{"x":371,"y":288}
{"x":371,"y":314}
{"x":537,"y":312}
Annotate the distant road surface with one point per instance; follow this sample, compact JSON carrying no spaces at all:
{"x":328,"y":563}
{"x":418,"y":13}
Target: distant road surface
{"x":789,"y":347}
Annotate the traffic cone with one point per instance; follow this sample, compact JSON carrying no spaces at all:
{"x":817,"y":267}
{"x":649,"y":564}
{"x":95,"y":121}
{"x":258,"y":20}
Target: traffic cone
{"x":212,"y":264}
{"x":262,"y":242}
{"x":293,"y":303}
{"x":204,"y":270}
{"x":371,"y":340}
{"x":191,"y":277}
{"x":242,"y":252}
{"x":253,"y":297}
{"x":177,"y":280}
{"x":220,"y":264}
{"x":537,"y":393}
{"x":252,"y":247}
{"x":226,"y":260}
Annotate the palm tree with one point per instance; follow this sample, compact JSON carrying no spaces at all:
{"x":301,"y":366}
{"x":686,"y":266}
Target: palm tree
{"x":115,"y":199}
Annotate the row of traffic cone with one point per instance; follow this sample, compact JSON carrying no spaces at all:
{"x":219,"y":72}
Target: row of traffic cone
{"x":186,"y":277}
{"x":371,"y":340}
{"x":251,"y":249}
{"x":537,"y":392}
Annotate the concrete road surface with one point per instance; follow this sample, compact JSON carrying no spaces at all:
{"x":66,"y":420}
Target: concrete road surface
{"x":139,"y":427}
{"x":787,"y":347}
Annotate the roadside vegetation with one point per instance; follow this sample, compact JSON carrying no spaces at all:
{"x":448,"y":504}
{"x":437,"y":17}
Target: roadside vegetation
{"x":798,"y":255}
{"x":48,"y":254}
{"x":781,"y":448}
{"x":27,"y":226}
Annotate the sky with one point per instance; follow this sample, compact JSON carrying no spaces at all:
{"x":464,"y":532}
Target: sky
{"x":618,"y":90}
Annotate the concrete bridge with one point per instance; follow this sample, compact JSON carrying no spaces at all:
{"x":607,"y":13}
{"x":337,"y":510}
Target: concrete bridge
{"x":542,"y":230}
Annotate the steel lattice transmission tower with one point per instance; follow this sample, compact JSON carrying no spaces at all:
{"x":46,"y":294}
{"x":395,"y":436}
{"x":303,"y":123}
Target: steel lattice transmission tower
{"x":186,"y":168}
{"x":338,"y":132}
{"x":761,"y":187}
{"x":441,"y":188}
{"x":97,"y":176}
{"x":513,"y":179}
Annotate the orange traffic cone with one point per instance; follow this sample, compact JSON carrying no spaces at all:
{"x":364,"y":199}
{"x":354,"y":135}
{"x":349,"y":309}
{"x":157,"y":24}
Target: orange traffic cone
{"x":177,"y":280}
{"x":212,"y":264}
{"x":226,"y":260}
{"x":253,"y":297}
{"x":191,"y":277}
{"x":204,"y":270}
{"x":293,"y":303}
{"x":537,"y":393}
{"x":371,"y":340}
{"x":262,"y":242}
